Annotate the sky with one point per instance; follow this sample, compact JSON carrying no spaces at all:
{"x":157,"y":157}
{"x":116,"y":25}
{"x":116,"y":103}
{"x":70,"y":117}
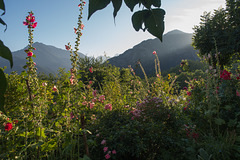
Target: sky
{"x":101,"y":35}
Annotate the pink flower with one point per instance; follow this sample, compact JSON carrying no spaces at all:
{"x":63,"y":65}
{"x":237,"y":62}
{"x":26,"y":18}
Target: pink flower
{"x":105,"y":149}
{"x":67,"y":47}
{"x":114,"y":152}
{"x":91,"y":105}
{"x":97,"y":135}
{"x":108,"y":106}
{"x":29,"y":54}
{"x":107,"y":156}
{"x":71,"y":115}
{"x":103,"y":142}
{"x":154,"y":52}
{"x":91,"y":70}
{"x":189,"y":93}
{"x":54,"y":88}
{"x":44,"y":84}
{"x":25,"y":23}
{"x":82,"y":26}
{"x":34,"y":25}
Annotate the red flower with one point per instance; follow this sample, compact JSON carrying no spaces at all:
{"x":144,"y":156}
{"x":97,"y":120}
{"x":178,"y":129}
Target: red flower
{"x":30,"y":54}
{"x":91,"y":69}
{"x":8,"y":126}
{"x":67,"y":47}
{"x":225,"y":75}
{"x":154,"y":52}
{"x":189,"y":93}
{"x":34,"y":25}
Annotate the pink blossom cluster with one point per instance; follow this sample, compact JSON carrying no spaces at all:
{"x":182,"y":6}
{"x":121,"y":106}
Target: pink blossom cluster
{"x":106,"y":150}
{"x":108,"y":107}
{"x":136,"y":113}
{"x":30,"y":21}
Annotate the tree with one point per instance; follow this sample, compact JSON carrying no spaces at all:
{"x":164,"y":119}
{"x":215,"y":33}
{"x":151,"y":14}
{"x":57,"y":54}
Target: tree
{"x":151,"y":18}
{"x":220,"y":33}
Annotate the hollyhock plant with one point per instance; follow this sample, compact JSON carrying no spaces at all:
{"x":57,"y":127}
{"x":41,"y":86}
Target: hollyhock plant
{"x":8,"y":126}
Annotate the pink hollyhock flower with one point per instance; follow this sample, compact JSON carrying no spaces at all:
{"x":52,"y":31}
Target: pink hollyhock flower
{"x":108,"y":106}
{"x":105,"y":149}
{"x":25,"y":23}
{"x":67,"y":47}
{"x":82,"y":26}
{"x":107,"y":156}
{"x":54,"y":88}
{"x":44,"y":84}
{"x":114,"y":152}
{"x":34,"y":63}
{"x":34,"y":25}
{"x":91,"y":69}
{"x":8,"y":126}
{"x":154,"y":52}
{"x":97,"y":135}
{"x":103,"y":142}
{"x":32,"y":19}
{"x":29,"y":54}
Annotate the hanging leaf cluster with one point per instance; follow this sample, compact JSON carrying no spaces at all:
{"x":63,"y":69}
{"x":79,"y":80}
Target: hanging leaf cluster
{"x":4,"y":53}
{"x":150,"y":18}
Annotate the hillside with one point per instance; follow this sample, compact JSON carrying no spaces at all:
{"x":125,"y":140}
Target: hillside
{"x":176,"y":46}
{"x":48,"y":59}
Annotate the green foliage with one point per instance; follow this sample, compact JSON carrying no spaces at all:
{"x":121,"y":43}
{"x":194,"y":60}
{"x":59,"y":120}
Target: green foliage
{"x":219,"y":31}
{"x":152,"y":18}
{"x":3,"y":87}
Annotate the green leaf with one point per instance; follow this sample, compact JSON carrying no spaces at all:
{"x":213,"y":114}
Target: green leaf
{"x":2,"y":6}
{"x":3,"y":87}
{"x":95,"y":5}
{"x":116,"y":5}
{"x":6,"y":53}
{"x":138,"y":19}
{"x":155,"y":23}
{"x":40,"y":132}
{"x":219,"y":121}
{"x":156,"y":3}
{"x":147,"y":3}
{"x":131,"y":3}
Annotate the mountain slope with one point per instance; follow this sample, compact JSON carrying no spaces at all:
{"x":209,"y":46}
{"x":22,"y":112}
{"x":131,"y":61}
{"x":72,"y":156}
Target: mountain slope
{"x":48,"y":59}
{"x":176,"y":46}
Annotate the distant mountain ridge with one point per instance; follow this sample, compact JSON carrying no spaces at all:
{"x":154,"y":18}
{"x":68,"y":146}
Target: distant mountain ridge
{"x":176,"y":46}
{"x":48,"y":59}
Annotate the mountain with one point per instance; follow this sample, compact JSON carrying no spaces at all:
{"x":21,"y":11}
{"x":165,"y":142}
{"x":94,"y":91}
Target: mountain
{"x":48,"y":59}
{"x":176,"y":46}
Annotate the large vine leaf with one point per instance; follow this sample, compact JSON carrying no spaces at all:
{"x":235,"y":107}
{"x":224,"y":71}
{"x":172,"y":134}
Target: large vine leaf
{"x":131,"y":3}
{"x":116,"y":5}
{"x":155,"y":23}
{"x":95,"y":5}
{"x":2,"y":6}
{"x":3,"y":87}
{"x":138,"y":19}
{"x":152,"y":19}
{"x":6,"y":53}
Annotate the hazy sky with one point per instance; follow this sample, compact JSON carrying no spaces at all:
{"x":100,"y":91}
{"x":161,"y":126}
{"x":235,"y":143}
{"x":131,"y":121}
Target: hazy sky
{"x":57,"y":18}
